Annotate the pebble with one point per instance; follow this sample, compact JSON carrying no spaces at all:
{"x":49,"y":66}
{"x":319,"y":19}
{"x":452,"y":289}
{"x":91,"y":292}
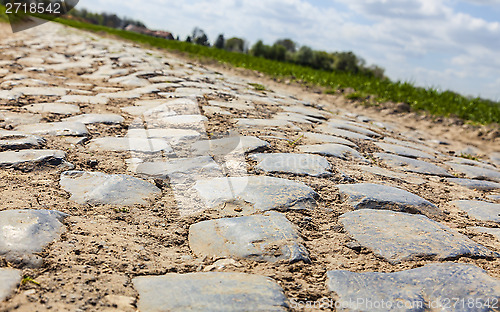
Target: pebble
{"x":23,"y":233}
{"x":54,"y":108}
{"x":430,"y":285}
{"x":56,"y":128}
{"x":14,"y":140}
{"x":96,"y":188}
{"x":300,"y":164}
{"x":212,"y":291}
{"x":264,"y":193}
{"x":478,"y":173}
{"x":403,"y":151}
{"x":268,"y":237}
{"x":377,"y":196}
{"x":398,"y":236}
{"x":230,"y":145}
{"x":9,"y":280}
{"x":479,"y":210}
{"x":88,"y":119}
{"x":324,"y":138}
{"x":333,"y":150}
{"x":143,"y":145}
{"x":476,"y":184}
{"x":16,"y":159}
{"x":412,"y":165}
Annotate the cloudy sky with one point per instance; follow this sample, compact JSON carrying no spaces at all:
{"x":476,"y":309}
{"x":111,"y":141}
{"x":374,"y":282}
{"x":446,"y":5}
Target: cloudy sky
{"x":446,"y":44}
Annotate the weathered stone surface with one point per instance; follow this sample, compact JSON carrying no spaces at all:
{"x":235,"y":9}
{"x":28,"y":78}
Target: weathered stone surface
{"x":10,"y":95}
{"x":56,"y":128}
{"x":178,"y":121}
{"x":494,"y":197}
{"x":236,"y":144}
{"x":333,"y":150}
{"x":264,"y":193}
{"x":351,"y":126}
{"x":173,"y":136}
{"x":480,"y":210}
{"x":398,"y":236}
{"x":17,"y":119}
{"x":302,"y":164}
{"x":412,"y":165}
{"x":177,"y":169}
{"x":403,"y":151}
{"x":264,"y":123}
{"x":175,"y":107}
{"x":54,"y":108}
{"x":143,"y":145}
{"x":465,"y":161}
{"x":194,"y":91}
{"x":406,"y":177}
{"x":297,"y":118}
{"x":239,"y":105}
{"x":478,"y":173}
{"x":41,"y":91}
{"x":416,"y":289}
{"x":377,"y":196}
{"x":84,"y":99}
{"x":16,"y":159}
{"x":9,"y":280}
{"x":324,"y":138}
{"x":492,"y":231}
{"x":14,"y":140}
{"x":26,"y":232}
{"x":269,"y":237}
{"x":470,"y":150}
{"x":414,"y":145}
{"x":214,"y":291}
{"x":96,"y":188}
{"x":476,"y":184}
{"x":495,"y":158}
{"x":343,"y":133}
{"x":96,"y":118}
{"x":214,"y":110}
{"x":307,"y":111}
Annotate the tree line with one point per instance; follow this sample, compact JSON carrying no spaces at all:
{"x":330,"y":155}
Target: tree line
{"x":284,"y":50}
{"x":105,"y":19}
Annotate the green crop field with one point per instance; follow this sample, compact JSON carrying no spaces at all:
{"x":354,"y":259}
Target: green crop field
{"x":436,"y":102}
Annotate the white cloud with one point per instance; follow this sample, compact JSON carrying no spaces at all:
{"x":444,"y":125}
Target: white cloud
{"x":426,"y":41}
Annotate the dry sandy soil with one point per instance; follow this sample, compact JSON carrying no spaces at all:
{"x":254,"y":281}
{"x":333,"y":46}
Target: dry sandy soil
{"x":90,"y":268}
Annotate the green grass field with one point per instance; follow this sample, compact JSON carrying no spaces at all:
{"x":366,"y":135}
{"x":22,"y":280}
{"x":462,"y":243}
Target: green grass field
{"x":3,"y":16}
{"x":438,"y":103}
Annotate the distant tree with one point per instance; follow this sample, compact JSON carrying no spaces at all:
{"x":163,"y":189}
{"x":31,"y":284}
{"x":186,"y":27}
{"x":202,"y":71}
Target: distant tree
{"x":346,"y":61}
{"x":278,"y":52}
{"x":200,"y":37}
{"x":288,"y":44}
{"x":259,"y":49}
{"x":304,"y":56}
{"x":189,"y":40}
{"x":220,"y":42}
{"x":322,"y":60}
{"x":235,"y":44}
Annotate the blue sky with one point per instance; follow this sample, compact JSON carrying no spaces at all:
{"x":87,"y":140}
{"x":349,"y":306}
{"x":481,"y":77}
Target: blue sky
{"x":448,"y":44}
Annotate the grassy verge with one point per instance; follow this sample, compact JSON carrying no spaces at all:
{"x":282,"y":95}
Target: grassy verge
{"x":445,"y":103}
{"x":3,"y":16}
